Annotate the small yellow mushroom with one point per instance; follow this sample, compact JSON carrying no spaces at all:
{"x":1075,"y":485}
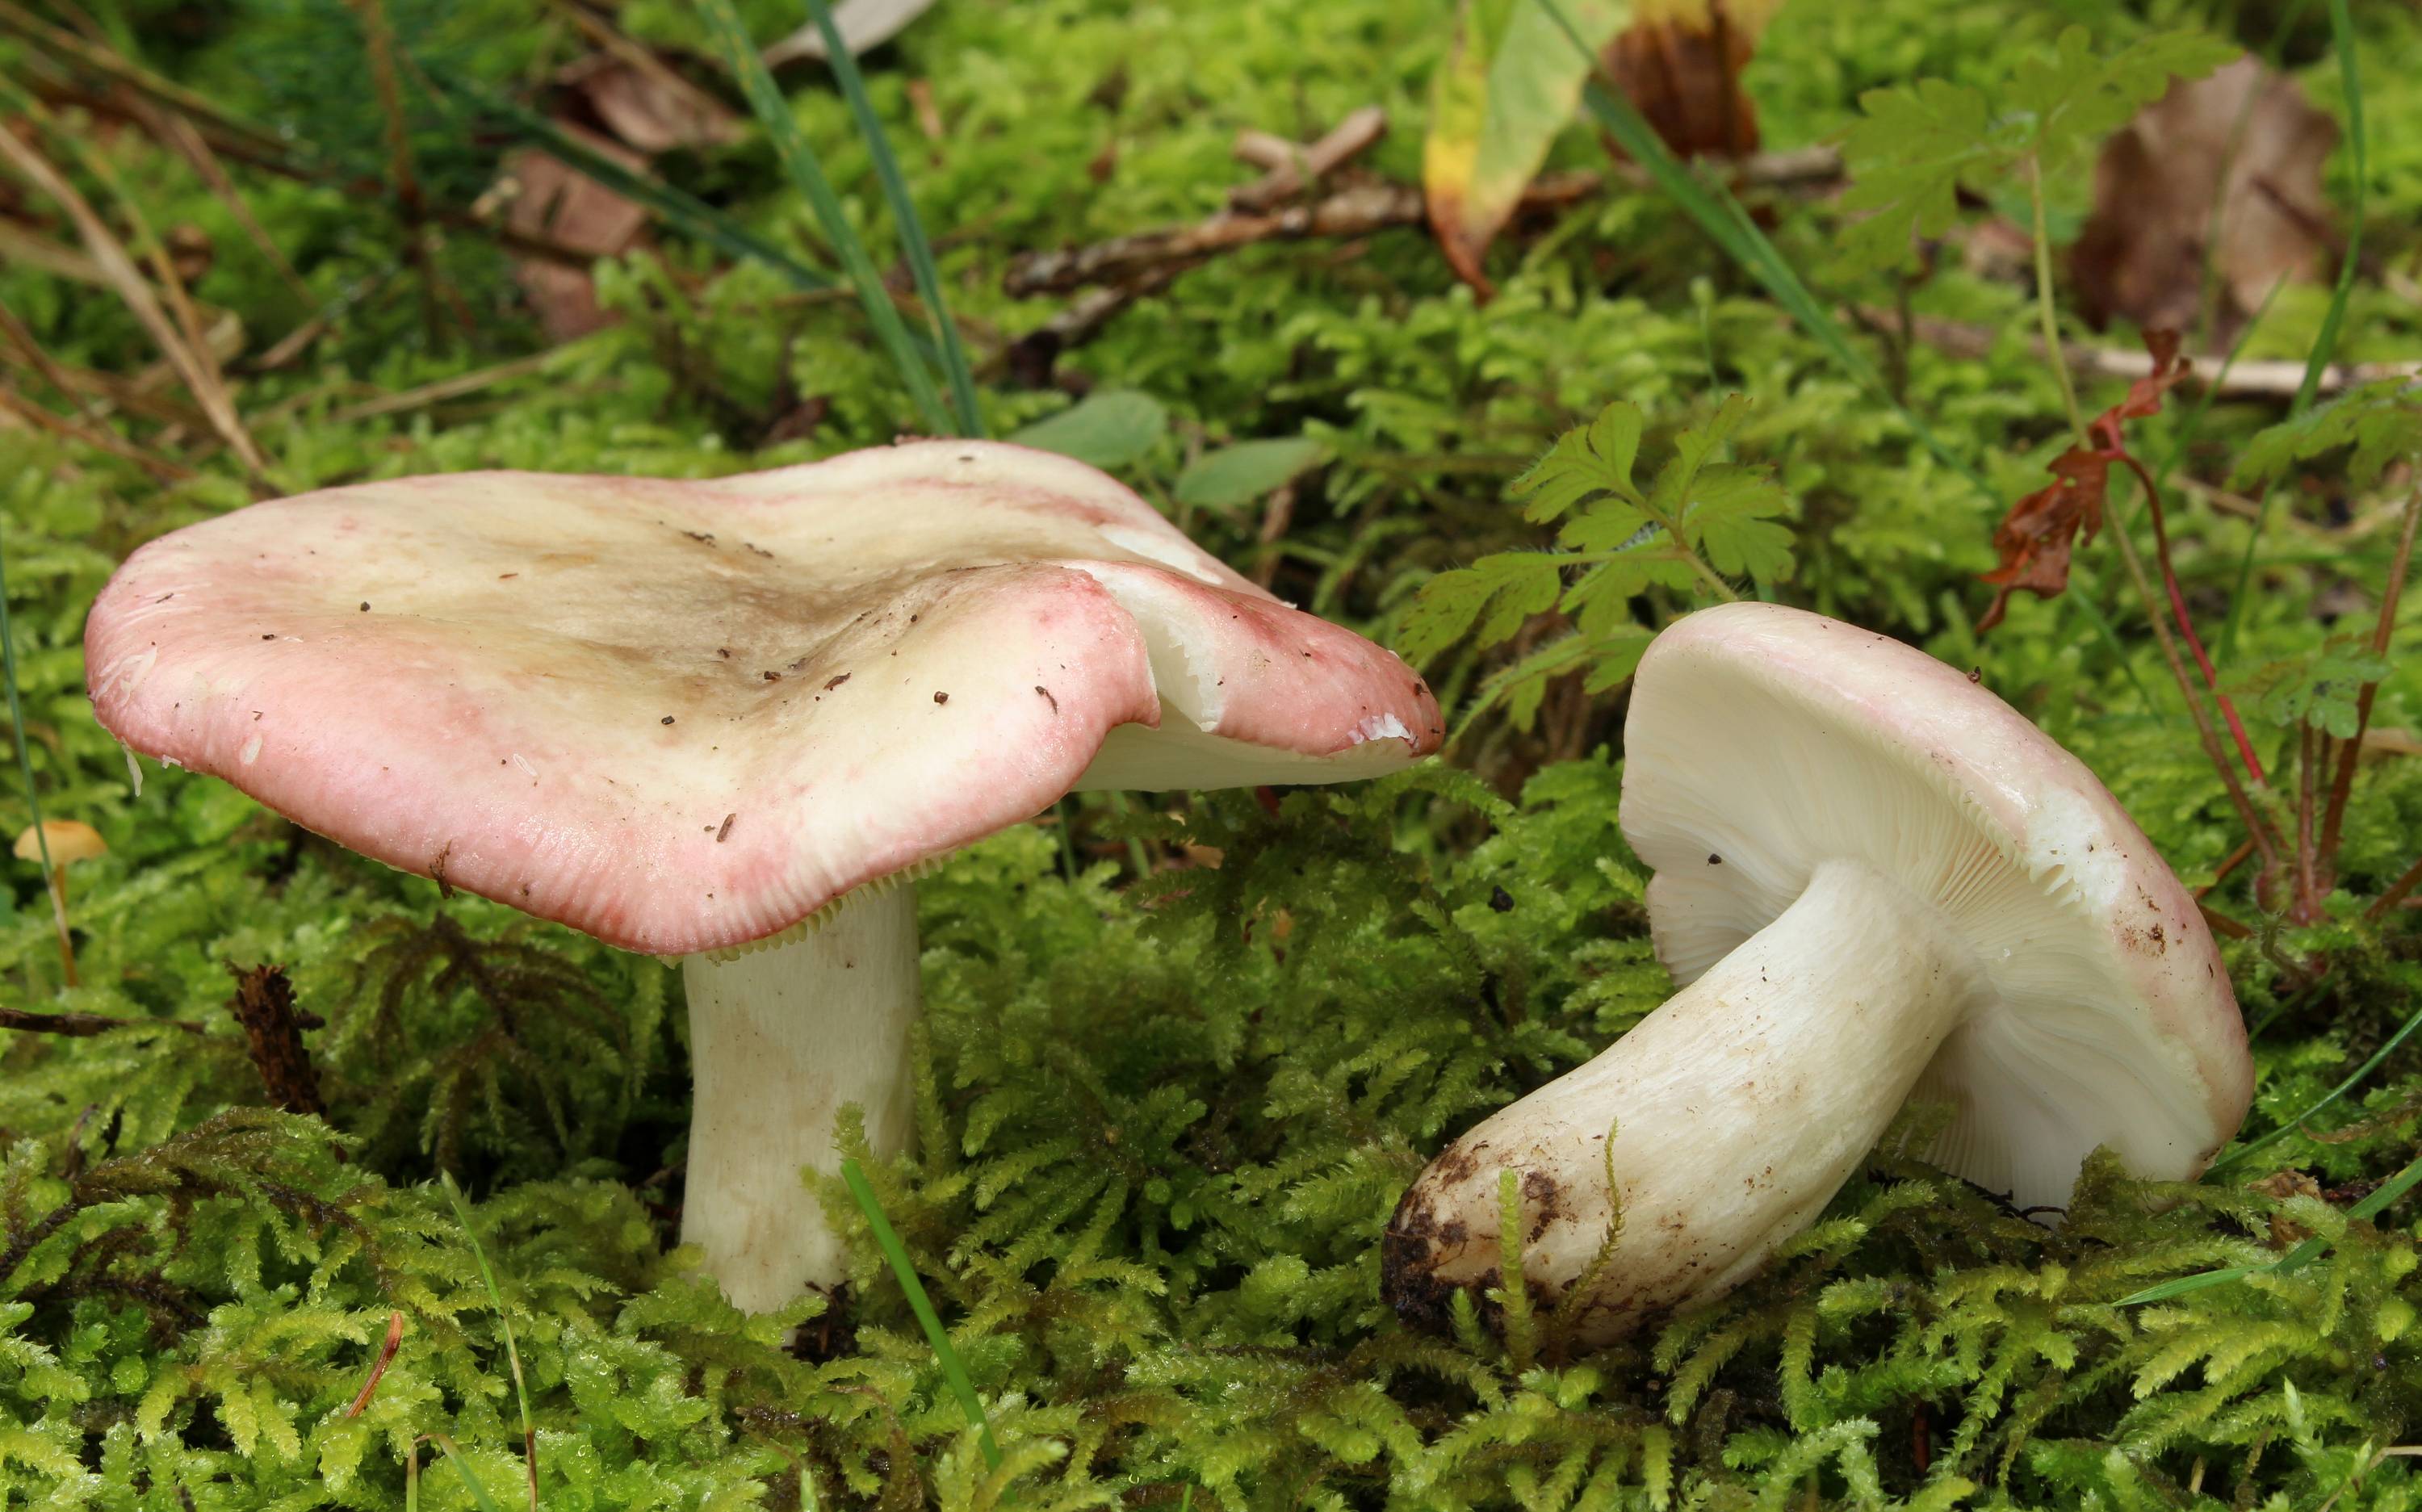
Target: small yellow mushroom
{"x":64,"y":842}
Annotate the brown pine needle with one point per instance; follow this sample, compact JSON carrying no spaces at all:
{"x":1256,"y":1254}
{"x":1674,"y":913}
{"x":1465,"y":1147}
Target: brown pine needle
{"x":25,"y":409}
{"x":196,"y":371}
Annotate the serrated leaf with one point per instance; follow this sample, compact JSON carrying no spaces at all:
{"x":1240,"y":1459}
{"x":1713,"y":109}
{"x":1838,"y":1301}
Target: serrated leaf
{"x":1677,"y":481}
{"x":1238,"y":475}
{"x":1615,"y":657}
{"x":1599,"y":600}
{"x":1489,"y":600}
{"x":1732,"y":518}
{"x":1608,"y":525}
{"x":2381,"y":420}
{"x":1585,"y":460}
{"x":2072,"y":98}
{"x":1107,"y":429}
{"x":1916,"y":146}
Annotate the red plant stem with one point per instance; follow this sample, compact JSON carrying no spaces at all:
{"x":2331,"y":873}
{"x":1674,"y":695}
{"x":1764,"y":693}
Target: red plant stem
{"x":2186,"y":626}
{"x":2396,"y":891}
{"x":2220,"y":924}
{"x":2233,"y":860}
{"x":2351,"y":752}
{"x":2258,"y":824}
{"x":2306,"y":905}
{"x":378,"y":1367}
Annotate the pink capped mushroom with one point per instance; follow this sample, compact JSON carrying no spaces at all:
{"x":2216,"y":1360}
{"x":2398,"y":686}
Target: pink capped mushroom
{"x":1875,"y":881}
{"x":724,"y":722}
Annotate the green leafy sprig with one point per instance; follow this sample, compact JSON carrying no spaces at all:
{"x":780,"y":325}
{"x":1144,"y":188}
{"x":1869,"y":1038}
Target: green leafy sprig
{"x":1697,"y":526}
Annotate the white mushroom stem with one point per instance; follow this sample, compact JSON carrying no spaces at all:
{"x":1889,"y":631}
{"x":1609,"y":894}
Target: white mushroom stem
{"x":782,"y":1040}
{"x":1738,"y":1108}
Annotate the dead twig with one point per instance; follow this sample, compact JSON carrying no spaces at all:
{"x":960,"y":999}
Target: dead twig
{"x":1290,"y":168}
{"x":2243,"y":380}
{"x":1356,"y":211}
{"x":25,"y":409}
{"x":263,"y":1004}
{"x":60,"y":42}
{"x":84,"y":1026}
{"x":378,"y":35}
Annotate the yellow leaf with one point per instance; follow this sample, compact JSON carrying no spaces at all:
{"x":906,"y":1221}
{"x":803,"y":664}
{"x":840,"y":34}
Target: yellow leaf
{"x":1512,"y":79}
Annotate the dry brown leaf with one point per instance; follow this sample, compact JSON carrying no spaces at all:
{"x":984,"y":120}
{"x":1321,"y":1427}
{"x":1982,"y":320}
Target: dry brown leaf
{"x":1680,"y":66}
{"x":2158,"y":180}
{"x":652,"y":108}
{"x":862,"y":24}
{"x":573,"y":211}
{"x":1504,"y":93}
{"x":2035,"y":538}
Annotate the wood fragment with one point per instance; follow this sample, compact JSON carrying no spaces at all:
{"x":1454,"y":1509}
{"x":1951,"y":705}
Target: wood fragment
{"x":84,"y":1025}
{"x":2275,"y":379}
{"x":263,"y":1004}
{"x":1292,"y":169}
{"x":1355,"y":210}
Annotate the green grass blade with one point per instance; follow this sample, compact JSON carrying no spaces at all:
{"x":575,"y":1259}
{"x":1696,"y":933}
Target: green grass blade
{"x":686,"y":214}
{"x":504,"y":1326}
{"x":2246,"y":1151}
{"x":955,"y":1370}
{"x":16,"y":712}
{"x":2296,"y":1259}
{"x":479,"y":1496}
{"x":903,"y":214}
{"x":799,"y":161}
{"x":2343,"y":38}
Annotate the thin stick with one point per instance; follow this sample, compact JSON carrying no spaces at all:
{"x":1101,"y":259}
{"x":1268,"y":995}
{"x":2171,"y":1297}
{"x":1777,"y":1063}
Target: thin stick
{"x":84,"y":1025}
{"x":2396,"y":891}
{"x":2307,"y":757}
{"x":2234,"y":860}
{"x":2186,"y":625}
{"x":1356,"y":211}
{"x":93,"y":436}
{"x":378,"y":35}
{"x":2257,"y":825}
{"x":130,"y":286}
{"x":2045,"y":315}
{"x":1294,"y":168}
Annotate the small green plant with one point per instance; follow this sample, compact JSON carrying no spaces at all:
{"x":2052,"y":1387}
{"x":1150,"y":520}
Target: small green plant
{"x":1693,"y":529}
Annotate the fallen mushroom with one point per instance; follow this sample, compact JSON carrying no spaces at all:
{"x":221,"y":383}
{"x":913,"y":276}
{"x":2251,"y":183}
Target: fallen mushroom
{"x":1875,"y":881}
{"x":728,"y":720}
{"x":59,"y":844}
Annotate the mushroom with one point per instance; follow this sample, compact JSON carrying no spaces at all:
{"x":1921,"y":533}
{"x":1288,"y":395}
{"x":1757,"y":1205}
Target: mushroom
{"x":729,"y":721}
{"x":1874,"y":882}
{"x":59,"y":844}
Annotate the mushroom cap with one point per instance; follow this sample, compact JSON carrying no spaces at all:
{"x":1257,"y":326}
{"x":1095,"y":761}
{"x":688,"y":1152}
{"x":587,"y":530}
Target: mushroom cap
{"x":1763,"y":740}
{"x":683,"y":715}
{"x":70,"y":840}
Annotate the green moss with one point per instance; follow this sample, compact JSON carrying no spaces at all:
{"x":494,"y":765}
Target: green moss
{"x":1164,"y":1119}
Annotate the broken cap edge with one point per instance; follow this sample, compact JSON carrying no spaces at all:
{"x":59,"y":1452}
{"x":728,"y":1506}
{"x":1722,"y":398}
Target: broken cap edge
{"x":342,"y":781}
